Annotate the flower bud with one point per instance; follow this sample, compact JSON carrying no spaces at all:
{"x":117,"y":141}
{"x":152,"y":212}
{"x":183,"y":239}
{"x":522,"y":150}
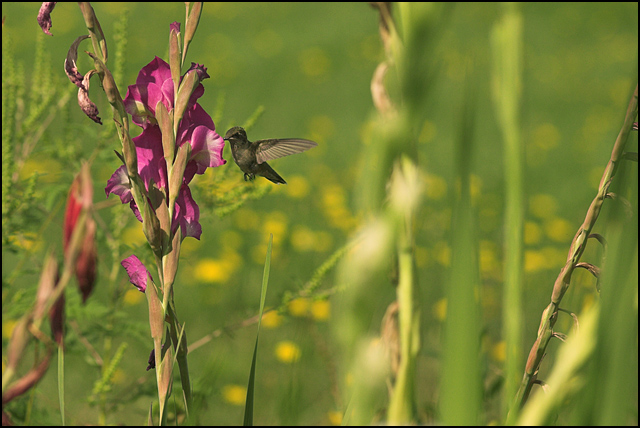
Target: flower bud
{"x":193,"y":18}
{"x":190,"y":83}
{"x":81,"y":199}
{"x":47,"y":284}
{"x":151,"y":224}
{"x":26,"y":382}
{"x":174,"y":53}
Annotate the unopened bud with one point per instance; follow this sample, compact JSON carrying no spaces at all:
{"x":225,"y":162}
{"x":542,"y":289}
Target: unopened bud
{"x":196,"y":74}
{"x":81,"y":199}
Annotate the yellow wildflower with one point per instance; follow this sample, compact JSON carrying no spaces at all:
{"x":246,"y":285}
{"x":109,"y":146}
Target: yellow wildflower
{"x":287,"y":352}
{"x":234,"y":394}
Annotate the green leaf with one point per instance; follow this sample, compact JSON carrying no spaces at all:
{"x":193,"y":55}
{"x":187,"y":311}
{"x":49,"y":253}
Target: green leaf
{"x":248,"y":408}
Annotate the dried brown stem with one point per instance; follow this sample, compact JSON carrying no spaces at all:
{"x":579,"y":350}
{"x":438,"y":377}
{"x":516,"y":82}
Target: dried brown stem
{"x":550,"y":314}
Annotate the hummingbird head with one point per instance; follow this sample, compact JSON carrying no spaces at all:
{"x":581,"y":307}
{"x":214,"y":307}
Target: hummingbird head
{"x":236,"y":133}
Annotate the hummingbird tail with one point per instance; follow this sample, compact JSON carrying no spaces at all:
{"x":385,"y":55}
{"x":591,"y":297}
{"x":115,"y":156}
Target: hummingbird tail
{"x":271,"y":175}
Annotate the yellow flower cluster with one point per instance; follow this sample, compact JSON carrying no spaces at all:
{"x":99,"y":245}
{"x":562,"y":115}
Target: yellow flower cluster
{"x":319,"y":310}
{"x":335,"y":209}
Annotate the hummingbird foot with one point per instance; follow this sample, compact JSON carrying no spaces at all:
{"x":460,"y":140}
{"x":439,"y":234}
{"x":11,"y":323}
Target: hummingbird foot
{"x":249,"y":177}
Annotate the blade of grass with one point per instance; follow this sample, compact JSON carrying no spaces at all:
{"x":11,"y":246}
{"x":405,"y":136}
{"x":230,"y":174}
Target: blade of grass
{"x":248,"y":408}
{"x":180,"y":342}
{"x":506,"y":44}
{"x":611,"y":387}
{"x":461,"y":385}
{"x":565,"y":377}
{"x":175,"y":358}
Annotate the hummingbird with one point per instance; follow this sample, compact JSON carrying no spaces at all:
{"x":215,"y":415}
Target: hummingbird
{"x":252,"y":157}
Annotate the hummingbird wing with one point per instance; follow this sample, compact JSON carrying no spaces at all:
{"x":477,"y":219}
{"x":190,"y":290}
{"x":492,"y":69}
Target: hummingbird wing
{"x":277,"y":148}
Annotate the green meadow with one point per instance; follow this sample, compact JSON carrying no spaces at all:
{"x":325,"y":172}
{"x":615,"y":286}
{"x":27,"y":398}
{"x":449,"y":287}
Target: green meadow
{"x":462,"y":200}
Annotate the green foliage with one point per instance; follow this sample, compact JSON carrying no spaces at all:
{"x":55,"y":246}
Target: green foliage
{"x":104,"y":384}
{"x":24,"y":120}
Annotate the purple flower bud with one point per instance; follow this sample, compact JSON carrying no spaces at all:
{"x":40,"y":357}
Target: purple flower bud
{"x":200,"y":69}
{"x":152,"y":360}
{"x":152,"y":356}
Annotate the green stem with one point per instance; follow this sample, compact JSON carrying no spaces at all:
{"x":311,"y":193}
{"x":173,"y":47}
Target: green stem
{"x":578,"y":246}
{"x":181,"y":354}
{"x":402,"y":402}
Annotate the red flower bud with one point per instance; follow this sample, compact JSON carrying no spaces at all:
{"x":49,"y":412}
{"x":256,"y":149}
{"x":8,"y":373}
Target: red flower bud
{"x":81,"y":199}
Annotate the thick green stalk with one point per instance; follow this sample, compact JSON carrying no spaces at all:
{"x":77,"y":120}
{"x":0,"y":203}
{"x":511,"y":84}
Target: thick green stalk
{"x":402,"y":402}
{"x":507,"y":71}
{"x":461,"y":380}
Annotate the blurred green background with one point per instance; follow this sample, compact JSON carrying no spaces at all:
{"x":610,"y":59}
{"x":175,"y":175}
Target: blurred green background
{"x":310,"y":66}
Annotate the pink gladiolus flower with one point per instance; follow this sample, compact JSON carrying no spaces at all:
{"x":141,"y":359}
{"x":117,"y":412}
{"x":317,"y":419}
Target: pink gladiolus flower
{"x":154,"y":85}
